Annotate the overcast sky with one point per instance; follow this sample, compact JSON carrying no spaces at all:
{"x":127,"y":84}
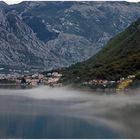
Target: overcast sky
{"x":18,"y":1}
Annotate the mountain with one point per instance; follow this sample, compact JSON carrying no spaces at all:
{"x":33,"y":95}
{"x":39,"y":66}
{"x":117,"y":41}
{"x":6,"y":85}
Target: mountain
{"x":120,"y":58}
{"x":95,"y":21}
{"x":18,"y":43}
{"x":50,"y":35}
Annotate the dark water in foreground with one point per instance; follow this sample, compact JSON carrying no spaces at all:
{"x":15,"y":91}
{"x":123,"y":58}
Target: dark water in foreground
{"x":63,"y":113}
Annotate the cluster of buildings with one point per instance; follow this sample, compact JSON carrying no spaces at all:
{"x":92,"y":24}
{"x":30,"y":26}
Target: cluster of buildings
{"x":12,"y":76}
{"x":32,"y":80}
{"x":122,"y":83}
{"x":53,"y":79}
{"x":100,"y":83}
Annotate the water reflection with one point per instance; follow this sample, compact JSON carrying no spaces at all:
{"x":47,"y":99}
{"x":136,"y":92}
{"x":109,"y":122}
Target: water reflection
{"x":63,"y":113}
{"x":51,"y":127}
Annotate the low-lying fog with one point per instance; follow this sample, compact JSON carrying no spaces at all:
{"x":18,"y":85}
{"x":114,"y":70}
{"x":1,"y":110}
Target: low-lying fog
{"x":118,"y":111}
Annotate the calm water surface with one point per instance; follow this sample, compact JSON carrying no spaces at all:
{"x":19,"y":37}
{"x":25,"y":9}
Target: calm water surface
{"x":65,"y":113}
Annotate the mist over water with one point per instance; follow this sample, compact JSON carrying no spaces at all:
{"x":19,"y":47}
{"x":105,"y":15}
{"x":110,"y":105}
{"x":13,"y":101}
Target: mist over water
{"x":47,"y":112}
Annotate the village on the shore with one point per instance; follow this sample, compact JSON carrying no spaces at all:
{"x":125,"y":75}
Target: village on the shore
{"x":52,"y":79}
{"x":120,"y":84}
{"x":31,"y":80}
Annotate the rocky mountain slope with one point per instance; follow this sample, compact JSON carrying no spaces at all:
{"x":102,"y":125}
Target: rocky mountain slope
{"x":49,"y":35}
{"x":95,"y":21}
{"x":120,"y":58}
{"x":18,"y":43}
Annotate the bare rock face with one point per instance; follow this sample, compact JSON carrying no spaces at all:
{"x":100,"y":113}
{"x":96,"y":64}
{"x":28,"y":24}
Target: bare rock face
{"x":20,"y":46}
{"x":50,"y":35}
{"x":68,"y":49}
{"x":95,"y":21}
{"x":18,"y":43}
